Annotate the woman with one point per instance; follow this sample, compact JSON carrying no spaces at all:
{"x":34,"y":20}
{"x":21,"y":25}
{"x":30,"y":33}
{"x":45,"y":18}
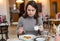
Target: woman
{"x":27,"y":22}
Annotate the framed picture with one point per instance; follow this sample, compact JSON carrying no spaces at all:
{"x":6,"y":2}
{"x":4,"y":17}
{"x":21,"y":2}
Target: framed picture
{"x":54,"y":7}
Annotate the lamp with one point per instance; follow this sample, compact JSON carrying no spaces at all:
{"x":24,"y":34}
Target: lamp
{"x":1,"y":2}
{"x":19,"y":1}
{"x":37,"y":1}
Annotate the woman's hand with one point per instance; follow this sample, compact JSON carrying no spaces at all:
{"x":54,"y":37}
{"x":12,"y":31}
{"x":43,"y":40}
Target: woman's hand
{"x":41,"y":28}
{"x":20,"y":30}
{"x":57,"y":37}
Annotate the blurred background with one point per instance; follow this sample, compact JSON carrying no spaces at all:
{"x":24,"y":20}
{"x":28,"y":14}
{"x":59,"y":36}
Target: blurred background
{"x":12,"y":10}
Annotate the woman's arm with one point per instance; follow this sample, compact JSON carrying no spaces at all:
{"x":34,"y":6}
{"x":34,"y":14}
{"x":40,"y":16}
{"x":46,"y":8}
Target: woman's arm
{"x":40,"y":24}
{"x":57,"y":37}
{"x":41,"y":28}
{"x":20,"y":29}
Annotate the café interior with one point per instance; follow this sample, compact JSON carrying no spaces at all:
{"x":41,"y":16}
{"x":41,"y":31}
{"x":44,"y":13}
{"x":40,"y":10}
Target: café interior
{"x":12,"y":10}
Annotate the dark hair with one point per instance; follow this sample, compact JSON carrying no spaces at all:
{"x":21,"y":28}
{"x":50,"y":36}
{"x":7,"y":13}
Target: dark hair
{"x":39,"y":7}
{"x":33,"y":4}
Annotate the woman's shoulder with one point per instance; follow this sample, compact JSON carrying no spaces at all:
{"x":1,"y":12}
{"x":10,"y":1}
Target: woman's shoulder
{"x":39,"y":17}
{"x":21,"y":18}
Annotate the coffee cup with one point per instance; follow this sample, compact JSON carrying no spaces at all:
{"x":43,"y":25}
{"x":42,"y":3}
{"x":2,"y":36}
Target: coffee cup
{"x":36,"y":28}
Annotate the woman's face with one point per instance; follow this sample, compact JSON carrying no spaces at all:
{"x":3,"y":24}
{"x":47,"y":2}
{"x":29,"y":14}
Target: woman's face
{"x":31,"y":11}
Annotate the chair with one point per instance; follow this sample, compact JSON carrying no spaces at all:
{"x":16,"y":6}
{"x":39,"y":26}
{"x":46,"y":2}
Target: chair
{"x":4,"y":28}
{"x":1,"y":19}
{"x":58,"y":15}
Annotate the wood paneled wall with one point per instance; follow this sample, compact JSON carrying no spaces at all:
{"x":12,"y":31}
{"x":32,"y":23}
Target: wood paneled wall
{"x":53,"y":15}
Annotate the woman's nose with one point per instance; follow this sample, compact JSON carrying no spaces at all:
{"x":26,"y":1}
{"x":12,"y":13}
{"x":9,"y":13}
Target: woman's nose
{"x":30,"y":11}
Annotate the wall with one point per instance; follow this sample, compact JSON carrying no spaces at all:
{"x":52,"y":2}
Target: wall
{"x":53,"y":15}
{"x":4,"y":9}
{"x":45,"y":7}
{"x":26,"y":2}
{"x":58,"y":5}
{"x":11,"y":3}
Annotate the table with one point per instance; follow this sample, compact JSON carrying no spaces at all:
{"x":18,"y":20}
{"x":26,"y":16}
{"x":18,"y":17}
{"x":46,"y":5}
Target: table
{"x":16,"y":39}
{"x":6,"y":26}
{"x":56,"y":21}
{"x":53,"y":23}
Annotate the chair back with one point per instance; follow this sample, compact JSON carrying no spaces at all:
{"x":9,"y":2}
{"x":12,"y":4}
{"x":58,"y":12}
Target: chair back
{"x":1,"y":20}
{"x":58,"y":15}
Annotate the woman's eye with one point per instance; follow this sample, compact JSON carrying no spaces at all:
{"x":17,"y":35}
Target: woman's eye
{"x":29,"y":10}
{"x":32,"y":10}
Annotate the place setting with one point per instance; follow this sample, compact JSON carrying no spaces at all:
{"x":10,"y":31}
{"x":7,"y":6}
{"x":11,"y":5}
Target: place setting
{"x":32,"y":37}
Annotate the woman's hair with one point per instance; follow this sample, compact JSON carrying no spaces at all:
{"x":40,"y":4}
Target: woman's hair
{"x":39,"y":7}
{"x":33,"y":4}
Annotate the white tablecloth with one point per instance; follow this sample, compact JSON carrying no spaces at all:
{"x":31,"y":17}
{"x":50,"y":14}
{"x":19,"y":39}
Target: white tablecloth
{"x":3,"y":24}
{"x":54,"y":20}
{"x":16,"y":39}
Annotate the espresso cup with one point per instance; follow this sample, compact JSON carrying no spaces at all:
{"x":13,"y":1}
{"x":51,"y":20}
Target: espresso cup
{"x":36,"y":28}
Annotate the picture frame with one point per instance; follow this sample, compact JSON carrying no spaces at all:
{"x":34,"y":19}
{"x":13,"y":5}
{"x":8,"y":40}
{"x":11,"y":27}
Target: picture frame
{"x":54,"y":7}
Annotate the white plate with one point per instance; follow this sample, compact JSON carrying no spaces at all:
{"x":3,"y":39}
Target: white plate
{"x":22,"y":37}
{"x":40,"y":39}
